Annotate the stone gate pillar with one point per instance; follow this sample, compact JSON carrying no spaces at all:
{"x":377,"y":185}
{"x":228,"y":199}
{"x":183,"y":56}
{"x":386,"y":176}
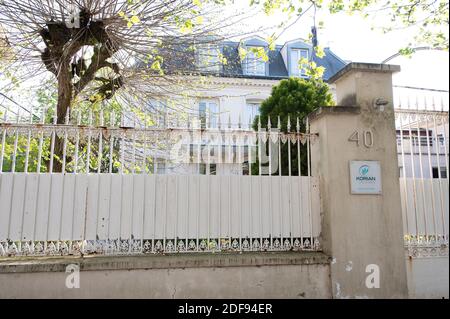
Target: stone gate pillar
{"x":356,"y":162}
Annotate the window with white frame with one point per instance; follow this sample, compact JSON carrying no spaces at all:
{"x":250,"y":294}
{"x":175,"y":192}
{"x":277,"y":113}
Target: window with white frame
{"x":254,"y":65}
{"x":208,"y":112}
{"x":294,"y":63}
{"x":208,"y":58}
{"x":251,"y":111}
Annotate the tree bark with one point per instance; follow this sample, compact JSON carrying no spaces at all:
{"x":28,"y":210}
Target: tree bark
{"x":65,"y":93}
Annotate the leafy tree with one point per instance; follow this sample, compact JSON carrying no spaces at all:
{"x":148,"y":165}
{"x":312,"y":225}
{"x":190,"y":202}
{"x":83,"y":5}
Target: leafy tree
{"x":46,"y":98}
{"x":94,"y":50}
{"x":429,"y":17}
{"x":91,"y":46}
{"x":291,"y":99}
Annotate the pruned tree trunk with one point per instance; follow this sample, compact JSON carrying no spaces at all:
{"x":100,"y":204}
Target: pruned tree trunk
{"x":65,"y":91}
{"x":65,"y":94}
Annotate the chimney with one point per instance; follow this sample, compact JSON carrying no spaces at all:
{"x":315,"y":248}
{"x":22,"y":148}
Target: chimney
{"x":314,"y":36}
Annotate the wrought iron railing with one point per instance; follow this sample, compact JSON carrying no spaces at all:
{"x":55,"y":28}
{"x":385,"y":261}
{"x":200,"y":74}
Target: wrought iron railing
{"x":78,"y":188}
{"x":424,"y":168}
{"x":76,"y":147}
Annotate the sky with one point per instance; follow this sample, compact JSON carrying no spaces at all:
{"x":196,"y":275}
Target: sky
{"x":353,"y":39}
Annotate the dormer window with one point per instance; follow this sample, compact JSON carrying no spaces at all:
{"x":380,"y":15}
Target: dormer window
{"x":253,"y":64}
{"x":208,"y":59}
{"x":294,"y":63}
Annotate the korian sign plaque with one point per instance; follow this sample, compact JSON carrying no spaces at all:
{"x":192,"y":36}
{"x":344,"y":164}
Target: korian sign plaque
{"x":365,"y":177}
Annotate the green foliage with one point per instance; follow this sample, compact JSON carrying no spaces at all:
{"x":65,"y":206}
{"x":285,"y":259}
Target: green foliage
{"x":429,"y":18}
{"x":47,"y":99}
{"x":20,"y":154}
{"x":291,"y":99}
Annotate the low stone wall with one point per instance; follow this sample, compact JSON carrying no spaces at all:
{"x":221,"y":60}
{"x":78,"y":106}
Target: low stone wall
{"x":246,"y":275}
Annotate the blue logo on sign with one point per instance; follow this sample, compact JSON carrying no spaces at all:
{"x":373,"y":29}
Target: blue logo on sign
{"x":363,"y":170}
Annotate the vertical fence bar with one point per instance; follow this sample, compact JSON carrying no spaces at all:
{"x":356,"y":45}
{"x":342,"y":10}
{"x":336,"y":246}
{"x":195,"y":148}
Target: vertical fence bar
{"x":208,"y":211}
{"x":52,"y":143}
{"x":16,"y":139}
{"x":88,"y":151}
{"x":290,"y":180}
{"x":430,"y":168}
{"x":133,"y":169}
{"x":259,"y":145}
{"x":298,"y":148}
{"x":122,"y":145}
{"x":441,"y":192}
{"x":27,"y":147}
{"x":154,"y":215}
{"x":249,"y":160}
{"x":289,"y":146}
{"x":280,"y":181}
{"x":249,"y":151}
{"x":165,"y":212}
{"x":112,"y":120}
{"x":261,"y":227}
{"x":308,"y":163}
{"x":176,"y":213}
{"x":100,"y":142}
{"x":419,"y":138}
{"x":300,"y":218}
{"x":413,"y":166}
{"x":219,"y":234}
{"x":269,"y":142}
{"x":77,"y":143}
{"x":2,"y":152}
{"x":63,"y":169}
{"x":41,"y":141}
{"x":144,"y":147}
{"x":199,"y":142}
{"x":404,"y":177}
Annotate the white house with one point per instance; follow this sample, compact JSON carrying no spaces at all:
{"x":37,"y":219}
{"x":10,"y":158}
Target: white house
{"x":238,"y":88}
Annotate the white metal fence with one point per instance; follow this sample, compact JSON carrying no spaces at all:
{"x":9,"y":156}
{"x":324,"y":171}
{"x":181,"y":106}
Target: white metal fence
{"x":96,"y":188}
{"x":423,"y":156}
{"x":138,"y":213}
{"x":88,"y":145}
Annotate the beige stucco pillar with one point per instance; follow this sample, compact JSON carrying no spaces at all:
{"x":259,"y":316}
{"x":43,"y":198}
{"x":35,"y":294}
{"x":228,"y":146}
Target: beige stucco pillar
{"x":362,"y":233}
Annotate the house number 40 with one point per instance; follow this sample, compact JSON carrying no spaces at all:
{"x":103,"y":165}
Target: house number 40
{"x":366,"y":136}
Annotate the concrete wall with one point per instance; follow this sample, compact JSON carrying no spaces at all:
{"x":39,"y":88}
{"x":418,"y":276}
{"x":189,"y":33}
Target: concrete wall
{"x":240,"y":276}
{"x":428,"y":277}
{"x":360,"y":230}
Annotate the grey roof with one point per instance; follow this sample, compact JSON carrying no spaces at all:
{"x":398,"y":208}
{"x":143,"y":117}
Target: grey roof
{"x":331,"y":62}
{"x":180,"y":59}
{"x":276,"y":66}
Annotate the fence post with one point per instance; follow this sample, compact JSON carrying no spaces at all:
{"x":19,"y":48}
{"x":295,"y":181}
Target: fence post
{"x":361,"y":232}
